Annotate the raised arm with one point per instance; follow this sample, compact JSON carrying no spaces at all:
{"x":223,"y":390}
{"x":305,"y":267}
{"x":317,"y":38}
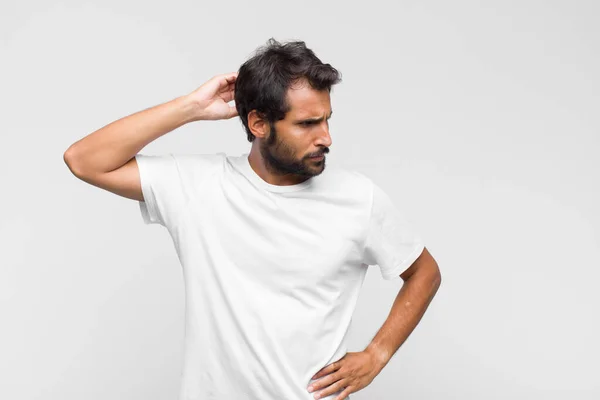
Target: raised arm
{"x":106,"y":157}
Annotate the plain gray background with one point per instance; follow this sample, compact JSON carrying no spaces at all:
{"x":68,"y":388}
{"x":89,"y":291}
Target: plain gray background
{"x":480,"y":119}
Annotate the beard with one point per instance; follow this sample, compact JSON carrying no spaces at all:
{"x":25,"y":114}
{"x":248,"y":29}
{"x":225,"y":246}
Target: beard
{"x":280,"y":158}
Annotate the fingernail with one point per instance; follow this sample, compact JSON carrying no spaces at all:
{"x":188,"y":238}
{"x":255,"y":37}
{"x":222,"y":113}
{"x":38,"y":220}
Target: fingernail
{"x":310,"y":389}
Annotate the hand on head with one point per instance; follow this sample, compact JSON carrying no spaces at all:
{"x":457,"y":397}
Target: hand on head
{"x":212,"y":97}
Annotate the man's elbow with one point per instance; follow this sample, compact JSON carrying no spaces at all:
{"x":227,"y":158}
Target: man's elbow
{"x":437,"y":276}
{"x":70,"y":159}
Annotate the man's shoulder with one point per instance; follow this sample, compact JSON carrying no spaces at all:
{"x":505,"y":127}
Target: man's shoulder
{"x":200,"y":158}
{"x":195,"y":165}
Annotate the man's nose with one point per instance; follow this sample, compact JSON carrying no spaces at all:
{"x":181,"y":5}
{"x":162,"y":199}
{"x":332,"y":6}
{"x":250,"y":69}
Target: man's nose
{"x":325,"y":136}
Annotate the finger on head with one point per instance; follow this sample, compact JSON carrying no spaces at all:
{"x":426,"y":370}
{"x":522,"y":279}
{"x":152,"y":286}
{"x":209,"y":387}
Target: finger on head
{"x":231,"y":77}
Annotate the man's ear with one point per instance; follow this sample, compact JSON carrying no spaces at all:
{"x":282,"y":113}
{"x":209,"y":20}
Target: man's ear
{"x":258,"y":125}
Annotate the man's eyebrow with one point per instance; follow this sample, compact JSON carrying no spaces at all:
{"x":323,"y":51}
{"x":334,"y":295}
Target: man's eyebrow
{"x":300,"y":121}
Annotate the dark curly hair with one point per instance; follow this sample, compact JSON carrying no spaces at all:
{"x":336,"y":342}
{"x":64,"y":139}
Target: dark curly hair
{"x":263,"y":80}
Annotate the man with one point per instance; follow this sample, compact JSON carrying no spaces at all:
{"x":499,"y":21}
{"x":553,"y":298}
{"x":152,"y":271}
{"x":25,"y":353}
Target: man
{"x":274,"y":246}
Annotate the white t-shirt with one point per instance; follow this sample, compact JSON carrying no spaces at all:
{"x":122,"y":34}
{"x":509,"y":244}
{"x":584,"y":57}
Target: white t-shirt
{"x":272,"y":273}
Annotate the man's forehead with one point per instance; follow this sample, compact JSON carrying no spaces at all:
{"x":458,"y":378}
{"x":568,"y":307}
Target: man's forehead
{"x":306,"y":102}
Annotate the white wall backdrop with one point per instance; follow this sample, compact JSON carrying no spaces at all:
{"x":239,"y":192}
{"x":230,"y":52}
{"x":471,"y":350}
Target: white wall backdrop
{"x":481,"y":119}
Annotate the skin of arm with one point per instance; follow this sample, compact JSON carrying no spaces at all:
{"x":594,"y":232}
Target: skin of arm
{"x":421,"y":282}
{"x":357,"y":370}
{"x":113,"y":145}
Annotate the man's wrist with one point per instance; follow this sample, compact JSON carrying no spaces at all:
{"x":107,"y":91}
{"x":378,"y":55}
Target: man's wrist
{"x":379,"y":355}
{"x":191,"y":110}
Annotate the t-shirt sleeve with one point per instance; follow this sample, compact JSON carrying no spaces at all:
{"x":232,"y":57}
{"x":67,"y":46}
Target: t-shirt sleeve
{"x":162,"y":188}
{"x":391,"y":242}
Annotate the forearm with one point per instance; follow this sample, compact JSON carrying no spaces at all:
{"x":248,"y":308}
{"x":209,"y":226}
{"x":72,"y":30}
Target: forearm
{"x":408,"y":309}
{"x":113,"y":145}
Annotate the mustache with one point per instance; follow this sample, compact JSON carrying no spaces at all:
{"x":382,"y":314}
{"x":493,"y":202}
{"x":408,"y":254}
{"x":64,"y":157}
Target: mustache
{"x":319,"y":154}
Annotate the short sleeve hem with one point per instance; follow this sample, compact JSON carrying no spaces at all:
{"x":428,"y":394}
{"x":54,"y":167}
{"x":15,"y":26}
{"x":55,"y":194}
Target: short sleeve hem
{"x":396,"y":271}
{"x":148,"y":206}
{"x":145,"y":212}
